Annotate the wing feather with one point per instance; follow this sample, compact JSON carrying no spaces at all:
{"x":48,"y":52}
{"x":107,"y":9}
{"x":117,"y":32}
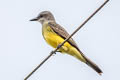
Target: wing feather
{"x":63,"y":33}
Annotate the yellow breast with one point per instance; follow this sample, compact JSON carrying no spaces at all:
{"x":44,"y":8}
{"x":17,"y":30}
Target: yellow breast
{"x":51,"y":37}
{"x":54,"y":40}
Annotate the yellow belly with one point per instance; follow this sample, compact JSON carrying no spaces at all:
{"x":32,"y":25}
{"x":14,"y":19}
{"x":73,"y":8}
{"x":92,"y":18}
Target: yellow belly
{"x":54,"y":40}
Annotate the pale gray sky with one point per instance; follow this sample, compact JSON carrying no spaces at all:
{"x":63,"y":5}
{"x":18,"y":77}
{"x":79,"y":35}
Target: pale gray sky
{"x":22,"y":46}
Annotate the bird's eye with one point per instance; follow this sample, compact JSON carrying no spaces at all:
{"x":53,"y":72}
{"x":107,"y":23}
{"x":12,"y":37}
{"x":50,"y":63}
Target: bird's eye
{"x":41,"y":16}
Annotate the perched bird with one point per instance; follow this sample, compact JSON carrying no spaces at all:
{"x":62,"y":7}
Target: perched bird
{"x":54,"y":35}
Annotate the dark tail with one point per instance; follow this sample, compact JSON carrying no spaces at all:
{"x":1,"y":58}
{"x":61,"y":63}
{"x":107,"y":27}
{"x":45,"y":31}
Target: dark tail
{"x":93,"y":66}
{"x":90,"y":63}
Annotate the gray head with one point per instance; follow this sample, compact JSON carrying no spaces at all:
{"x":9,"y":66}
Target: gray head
{"x":44,"y":16}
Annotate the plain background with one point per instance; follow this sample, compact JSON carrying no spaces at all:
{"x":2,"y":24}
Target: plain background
{"x":22,"y":46}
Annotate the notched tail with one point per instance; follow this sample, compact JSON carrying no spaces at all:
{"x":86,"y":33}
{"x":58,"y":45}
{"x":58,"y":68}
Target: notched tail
{"x":93,"y":66}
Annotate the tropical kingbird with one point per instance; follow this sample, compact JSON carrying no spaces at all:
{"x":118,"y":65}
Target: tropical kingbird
{"x":54,"y":35}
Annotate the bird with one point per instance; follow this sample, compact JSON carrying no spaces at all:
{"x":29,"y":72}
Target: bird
{"x":54,"y":34}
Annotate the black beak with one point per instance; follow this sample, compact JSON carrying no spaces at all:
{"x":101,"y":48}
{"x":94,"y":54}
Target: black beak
{"x":34,"y":19}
